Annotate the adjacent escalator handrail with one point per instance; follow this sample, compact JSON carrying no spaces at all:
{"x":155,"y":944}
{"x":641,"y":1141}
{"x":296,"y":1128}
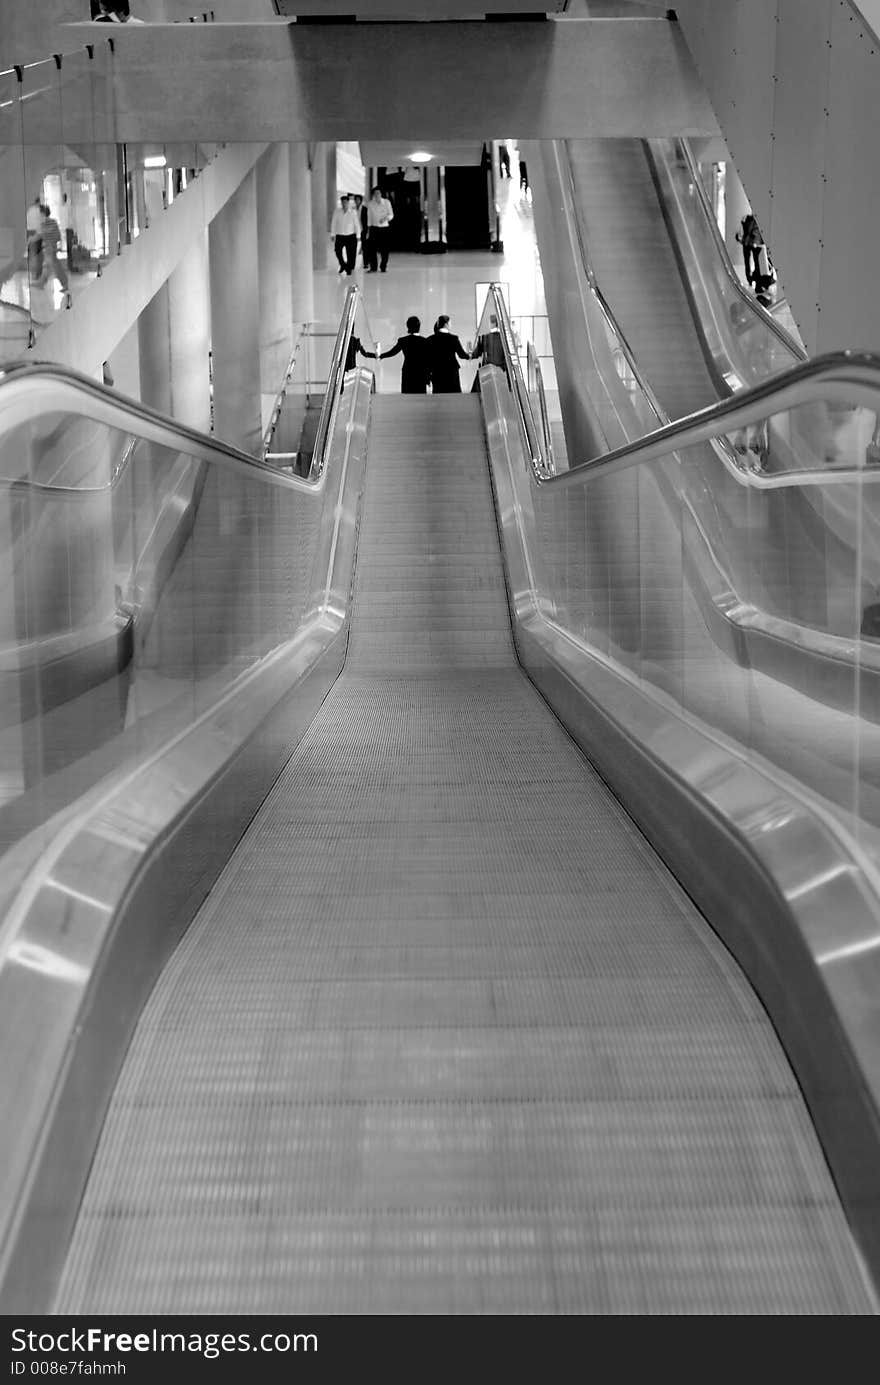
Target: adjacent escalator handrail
{"x":335,"y":378}
{"x":849,"y":376}
{"x":26,"y":389}
{"x":546,"y":432}
{"x":784,"y":337}
{"x":541,"y":464}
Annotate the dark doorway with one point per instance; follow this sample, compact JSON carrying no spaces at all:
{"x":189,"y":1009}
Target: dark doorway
{"x":468,"y":225}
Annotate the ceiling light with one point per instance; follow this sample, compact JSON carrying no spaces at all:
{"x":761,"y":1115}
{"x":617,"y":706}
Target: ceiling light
{"x":420,"y":156}
{"x":154,"y":161}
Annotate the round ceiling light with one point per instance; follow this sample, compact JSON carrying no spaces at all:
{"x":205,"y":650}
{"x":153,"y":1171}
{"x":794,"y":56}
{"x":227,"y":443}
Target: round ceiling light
{"x":420,"y":156}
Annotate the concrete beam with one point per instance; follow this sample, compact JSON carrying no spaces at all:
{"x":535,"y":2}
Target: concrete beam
{"x":412,"y":81}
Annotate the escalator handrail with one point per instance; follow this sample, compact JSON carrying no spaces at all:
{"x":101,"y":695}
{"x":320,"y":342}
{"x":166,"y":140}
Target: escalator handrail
{"x":784,"y":337}
{"x":541,"y":463}
{"x":534,"y":364}
{"x":335,"y":378}
{"x":849,"y":376}
{"x":47,"y":387}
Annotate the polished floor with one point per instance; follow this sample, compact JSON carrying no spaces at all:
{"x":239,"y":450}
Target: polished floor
{"x":454,"y":283}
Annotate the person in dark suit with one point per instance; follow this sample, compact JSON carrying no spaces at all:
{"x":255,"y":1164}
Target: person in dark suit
{"x":444,"y":351}
{"x":415,"y":372}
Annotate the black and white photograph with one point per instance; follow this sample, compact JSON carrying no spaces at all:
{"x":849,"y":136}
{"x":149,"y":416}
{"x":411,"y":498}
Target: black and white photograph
{"x":439,"y":673}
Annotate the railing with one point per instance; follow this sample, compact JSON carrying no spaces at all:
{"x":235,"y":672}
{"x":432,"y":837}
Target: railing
{"x":335,"y":378}
{"x":300,"y":347}
{"x":791,"y":345}
{"x":536,"y":386}
{"x":57,"y":127}
{"x":741,"y":341}
{"x":495,"y":306}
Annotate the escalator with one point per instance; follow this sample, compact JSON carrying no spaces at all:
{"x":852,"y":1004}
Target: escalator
{"x":447,"y":1036}
{"x":635,"y":264}
{"x":351,"y":986}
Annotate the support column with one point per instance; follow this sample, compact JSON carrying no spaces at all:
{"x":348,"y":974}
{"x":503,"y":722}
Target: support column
{"x":302,"y":288}
{"x":320,"y":220}
{"x":189,"y":320}
{"x":173,"y":338}
{"x":235,"y":318}
{"x":273,"y":232}
{"x":331,"y":190}
{"x":154,"y":352}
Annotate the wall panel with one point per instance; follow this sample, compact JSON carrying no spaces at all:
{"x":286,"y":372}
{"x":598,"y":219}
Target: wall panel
{"x":809,"y":158}
{"x":849,"y":290}
{"x":798,"y":166}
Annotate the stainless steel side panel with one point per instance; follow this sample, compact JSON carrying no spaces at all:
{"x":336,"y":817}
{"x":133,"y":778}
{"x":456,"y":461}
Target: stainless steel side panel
{"x":114,"y":888}
{"x":792,"y":898}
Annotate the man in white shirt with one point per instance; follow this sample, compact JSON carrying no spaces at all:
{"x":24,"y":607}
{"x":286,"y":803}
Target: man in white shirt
{"x":344,"y":233}
{"x":380,"y":214}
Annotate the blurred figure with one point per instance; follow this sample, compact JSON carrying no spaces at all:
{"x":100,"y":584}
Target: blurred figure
{"x":415,"y":372}
{"x":361,"y":213}
{"x":750,"y":238}
{"x":504,"y":159}
{"x":51,"y":233}
{"x":523,"y":178}
{"x":444,"y":352}
{"x":34,"y":226}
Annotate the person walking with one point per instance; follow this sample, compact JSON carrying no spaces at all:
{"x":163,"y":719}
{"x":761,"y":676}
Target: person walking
{"x":344,"y":228}
{"x":415,"y":372}
{"x":444,"y":352}
{"x":51,"y":233}
{"x":380,"y":215}
{"x":523,"y":178}
{"x":503,"y":160}
{"x":751,"y":240}
{"x":34,"y":223}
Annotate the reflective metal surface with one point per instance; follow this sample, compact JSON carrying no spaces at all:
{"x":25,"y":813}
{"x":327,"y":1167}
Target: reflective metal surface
{"x":235,"y":581}
{"x":762,"y":798}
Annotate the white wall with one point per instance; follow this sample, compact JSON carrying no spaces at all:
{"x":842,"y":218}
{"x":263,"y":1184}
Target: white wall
{"x":795,"y":85}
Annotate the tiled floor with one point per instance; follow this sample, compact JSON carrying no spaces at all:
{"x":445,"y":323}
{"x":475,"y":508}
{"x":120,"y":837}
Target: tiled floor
{"x":428,"y":285}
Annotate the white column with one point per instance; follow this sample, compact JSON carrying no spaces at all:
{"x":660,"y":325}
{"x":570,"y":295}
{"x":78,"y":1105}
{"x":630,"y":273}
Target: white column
{"x":235,"y":318}
{"x":302,"y":286}
{"x":189,"y":320}
{"x":273,"y":232}
{"x":154,"y":352}
{"x":320,"y":220}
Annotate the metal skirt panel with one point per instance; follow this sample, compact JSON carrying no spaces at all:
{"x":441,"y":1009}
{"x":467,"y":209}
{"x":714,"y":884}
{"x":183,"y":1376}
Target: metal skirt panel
{"x":447,"y":1037}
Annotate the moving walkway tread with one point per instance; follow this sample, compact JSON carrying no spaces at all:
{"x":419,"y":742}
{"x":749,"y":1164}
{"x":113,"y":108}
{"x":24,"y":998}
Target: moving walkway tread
{"x":447,"y":1036}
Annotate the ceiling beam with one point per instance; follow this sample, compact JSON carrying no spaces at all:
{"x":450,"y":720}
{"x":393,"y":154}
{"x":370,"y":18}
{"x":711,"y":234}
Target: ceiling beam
{"x":407,"y":81}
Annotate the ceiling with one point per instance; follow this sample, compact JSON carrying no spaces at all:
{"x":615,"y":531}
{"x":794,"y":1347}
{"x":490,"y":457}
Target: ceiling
{"x":393,"y":154}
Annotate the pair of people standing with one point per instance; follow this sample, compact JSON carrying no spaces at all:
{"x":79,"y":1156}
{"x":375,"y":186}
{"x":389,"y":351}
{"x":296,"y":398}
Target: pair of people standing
{"x":370,"y":222}
{"x":428,"y":360}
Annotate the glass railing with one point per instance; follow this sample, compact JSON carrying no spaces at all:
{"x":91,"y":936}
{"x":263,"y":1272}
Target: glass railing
{"x":72,"y":197}
{"x":323,"y":354}
{"x":146,"y":569}
{"x":762,"y":620}
{"x":742,"y":340}
{"x":281,"y":436}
